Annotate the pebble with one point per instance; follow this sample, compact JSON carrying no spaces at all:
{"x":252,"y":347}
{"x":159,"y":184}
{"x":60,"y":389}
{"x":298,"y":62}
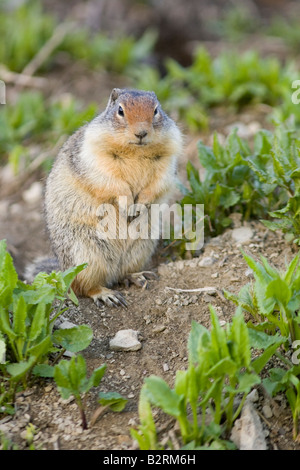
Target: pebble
{"x":166,"y":367}
{"x":214,"y":275}
{"x":33,"y":194}
{"x":163,"y":269}
{"x":205,"y":262}
{"x":268,"y":413}
{"x":253,"y":396}
{"x":65,"y":325}
{"x":247,"y":432}
{"x":242,"y":234}
{"x":125,"y":340}
{"x":158,"y":329}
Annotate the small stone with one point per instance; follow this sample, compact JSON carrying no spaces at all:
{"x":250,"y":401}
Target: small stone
{"x":166,"y":367}
{"x":248,"y":272}
{"x":214,"y":275}
{"x":180,"y":265}
{"x":205,"y":262}
{"x":23,"y":435}
{"x":122,"y":372}
{"x":268,"y":413}
{"x":158,"y":302}
{"x":33,"y":194}
{"x":208,"y":298}
{"x":163,"y":270}
{"x":242,"y":234}
{"x":247,"y":432}
{"x":65,"y":325}
{"x":253,"y":396}
{"x":125,"y":340}
{"x":158,"y":329}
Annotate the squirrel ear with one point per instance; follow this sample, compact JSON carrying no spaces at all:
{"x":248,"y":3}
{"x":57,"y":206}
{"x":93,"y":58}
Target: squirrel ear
{"x":114,"y":96}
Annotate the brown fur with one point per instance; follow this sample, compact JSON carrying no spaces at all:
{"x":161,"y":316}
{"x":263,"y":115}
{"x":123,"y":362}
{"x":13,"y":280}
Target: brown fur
{"x":128,"y":150}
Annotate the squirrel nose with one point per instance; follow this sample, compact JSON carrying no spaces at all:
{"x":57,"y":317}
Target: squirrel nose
{"x":141,"y":134}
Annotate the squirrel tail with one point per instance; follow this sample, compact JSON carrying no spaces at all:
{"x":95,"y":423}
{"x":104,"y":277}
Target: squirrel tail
{"x":41,"y":264}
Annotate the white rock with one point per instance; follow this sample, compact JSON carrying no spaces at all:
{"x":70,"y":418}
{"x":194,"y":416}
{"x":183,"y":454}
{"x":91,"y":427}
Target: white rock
{"x":65,"y":325}
{"x":207,"y":261}
{"x":268,"y":413}
{"x":253,"y":396}
{"x":247,"y":432}
{"x":34,"y":193}
{"x":242,"y":234}
{"x":163,"y":270}
{"x":125,"y":340}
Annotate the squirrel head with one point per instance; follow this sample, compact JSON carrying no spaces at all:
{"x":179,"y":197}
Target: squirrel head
{"x":133,"y":125}
{"x":135,"y":115}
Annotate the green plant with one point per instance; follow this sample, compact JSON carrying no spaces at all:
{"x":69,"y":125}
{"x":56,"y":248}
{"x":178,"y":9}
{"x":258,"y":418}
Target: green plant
{"x":71,"y":379}
{"x":274,"y":302}
{"x":203,"y":398}
{"x":274,"y":298}
{"x":27,"y":316}
{"x":288,"y":381}
{"x":33,"y":119}
{"x":228,"y":185}
{"x":23,"y":30}
{"x":279,"y":168}
{"x":262,"y":182}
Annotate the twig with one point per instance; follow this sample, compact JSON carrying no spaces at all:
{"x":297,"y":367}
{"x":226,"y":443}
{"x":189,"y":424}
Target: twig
{"x":21,"y":79}
{"x":43,"y":54}
{"x":201,"y":290}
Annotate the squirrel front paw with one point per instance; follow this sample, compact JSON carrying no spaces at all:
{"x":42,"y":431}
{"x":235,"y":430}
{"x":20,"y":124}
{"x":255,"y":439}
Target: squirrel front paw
{"x":108,"y":297}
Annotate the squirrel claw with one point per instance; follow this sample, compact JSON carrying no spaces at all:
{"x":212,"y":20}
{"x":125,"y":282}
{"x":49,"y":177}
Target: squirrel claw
{"x":111,"y":299}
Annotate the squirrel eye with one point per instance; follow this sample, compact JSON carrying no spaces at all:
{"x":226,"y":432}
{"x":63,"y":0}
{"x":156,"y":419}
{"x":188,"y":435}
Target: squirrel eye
{"x":120,"y":111}
{"x":155,"y":111}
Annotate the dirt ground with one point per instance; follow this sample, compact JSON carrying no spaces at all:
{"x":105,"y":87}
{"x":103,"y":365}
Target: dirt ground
{"x":163,"y":319}
{"x":161,"y":316}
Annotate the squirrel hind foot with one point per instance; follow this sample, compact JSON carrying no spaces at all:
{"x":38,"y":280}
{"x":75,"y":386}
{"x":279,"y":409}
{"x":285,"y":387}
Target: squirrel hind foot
{"x":110,"y":298}
{"x":140,"y":279}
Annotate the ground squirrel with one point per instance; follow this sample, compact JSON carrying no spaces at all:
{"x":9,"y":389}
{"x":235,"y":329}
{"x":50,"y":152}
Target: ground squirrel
{"x":129,"y":150}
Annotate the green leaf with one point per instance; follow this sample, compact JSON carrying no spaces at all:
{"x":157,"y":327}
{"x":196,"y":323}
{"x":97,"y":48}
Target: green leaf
{"x":96,"y":376}
{"x":259,"y":363}
{"x":42,"y":348}
{"x":38,"y":322}
{"x":44,"y":295}
{"x":160,"y":395}
{"x":70,"y":274}
{"x":114,"y":400}
{"x":279,"y":290}
{"x":195,"y":338}
{"x":223,"y":367}
{"x":61,"y":377}
{"x":19,"y":317}
{"x":261,"y":340}
{"x":43,"y":370}
{"x":73,"y":339}
{"x":5,"y":326}
{"x":20,"y":369}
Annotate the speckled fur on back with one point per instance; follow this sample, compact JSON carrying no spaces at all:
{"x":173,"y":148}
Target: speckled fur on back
{"x":129,"y":150}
